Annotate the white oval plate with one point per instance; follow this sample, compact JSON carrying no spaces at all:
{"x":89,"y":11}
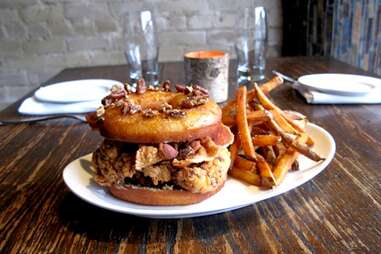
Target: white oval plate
{"x":235,"y":194}
{"x":340,"y":84}
{"x":75,"y":90}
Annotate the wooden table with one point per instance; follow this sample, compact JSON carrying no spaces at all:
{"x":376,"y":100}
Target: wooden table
{"x":336,"y":212}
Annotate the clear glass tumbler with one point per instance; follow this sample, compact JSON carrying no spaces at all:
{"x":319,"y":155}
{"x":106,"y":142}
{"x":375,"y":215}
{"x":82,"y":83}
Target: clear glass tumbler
{"x":243,"y":46}
{"x":243,"y":60}
{"x":251,"y":45}
{"x":141,"y":47}
{"x":260,"y":43}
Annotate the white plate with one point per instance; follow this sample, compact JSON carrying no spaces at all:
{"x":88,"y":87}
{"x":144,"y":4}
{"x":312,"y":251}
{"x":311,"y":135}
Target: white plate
{"x":235,"y":194}
{"x":340,"y":84}
{"x":75,"y":90}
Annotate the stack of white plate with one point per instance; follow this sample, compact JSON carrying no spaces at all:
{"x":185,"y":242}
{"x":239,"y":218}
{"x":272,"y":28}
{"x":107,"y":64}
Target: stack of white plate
{"x":77,"y":96}
{"x":332,"y":88}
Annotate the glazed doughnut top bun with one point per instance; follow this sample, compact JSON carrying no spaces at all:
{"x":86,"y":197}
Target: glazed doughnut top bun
{"x":163,"y":146}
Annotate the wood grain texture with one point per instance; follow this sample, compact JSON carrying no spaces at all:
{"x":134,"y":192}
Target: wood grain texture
{"x":339,"y":211}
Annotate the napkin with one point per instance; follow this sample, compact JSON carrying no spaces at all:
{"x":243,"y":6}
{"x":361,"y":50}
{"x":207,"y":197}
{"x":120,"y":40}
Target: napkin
{"x":32,"y":106}
{"x":314,"y":97}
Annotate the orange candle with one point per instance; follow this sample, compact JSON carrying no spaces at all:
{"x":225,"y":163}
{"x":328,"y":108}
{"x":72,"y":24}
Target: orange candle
{"x":210,"y":70}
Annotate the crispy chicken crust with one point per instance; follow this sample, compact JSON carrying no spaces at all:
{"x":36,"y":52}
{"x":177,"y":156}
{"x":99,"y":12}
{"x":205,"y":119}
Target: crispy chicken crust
{"x":199,"y":172}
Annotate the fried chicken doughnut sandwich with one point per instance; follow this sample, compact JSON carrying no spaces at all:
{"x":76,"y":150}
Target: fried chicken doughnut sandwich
{"x":161,"y":147}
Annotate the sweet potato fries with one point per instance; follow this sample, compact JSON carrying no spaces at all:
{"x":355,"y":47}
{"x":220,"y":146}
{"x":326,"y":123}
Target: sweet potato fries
{"x":268,"y":140}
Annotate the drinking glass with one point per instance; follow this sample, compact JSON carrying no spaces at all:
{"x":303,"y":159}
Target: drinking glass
{"x":141,"y":47}
{"x":260,"y":43}
{"x":251,"y":45}
{"x":242,"y":46}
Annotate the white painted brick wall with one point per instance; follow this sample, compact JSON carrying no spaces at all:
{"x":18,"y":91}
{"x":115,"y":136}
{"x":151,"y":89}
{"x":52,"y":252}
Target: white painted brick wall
{"x":38,"y":38}
{"x":40,"y":47}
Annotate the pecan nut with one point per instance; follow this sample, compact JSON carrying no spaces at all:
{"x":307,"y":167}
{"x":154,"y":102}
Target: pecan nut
{"x":134,"y":108}
{"x":117,"y":93}
{"x":126,"y":108}
{"x":150,"y":113}
{"x":100,"y":113}
{"x":167,"y":151}
{"x":180,"y":88}
{"x":141,"y":86}
{"x":188,"y":90}
{"x":185,"y":152}
{"x":201,"y":89}
{"x":165,"y":107}
{"x":175,"y":113}
{"x":129,"y":88}
{"x":193,"y":101}
{"x":166,"y":86}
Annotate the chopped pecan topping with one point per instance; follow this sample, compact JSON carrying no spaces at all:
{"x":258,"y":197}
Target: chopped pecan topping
{"x":166,"y":86}
{"x":100,"y":113}
{"x":188,"y":90}
{"x":117,"y":93}
{"x":115,"y":89}
{"x":190,"y":148}
{"x":150,"y":113}
{"x":187,"y":103}
{"x":126,"y":108}
{"x":201,"y":89}
{"x":111,"y":99}
{"x":106,"y":101}
{"x":119,"y":103}
{"x":194,"y":101}
{"x":198,"y":93}
{"x":134,"y":108}
{"x":176,"y":113}
{"x":141,"y":86}
{"x":165,"y":107}
{"x":185,"y":152}
{"x":167,"y":151}
{"x":180,"y":88}
{"x":126,"y":86}
{"x":129,"y":108}
{"x":129,"y":88}
{"x":192,"y":91}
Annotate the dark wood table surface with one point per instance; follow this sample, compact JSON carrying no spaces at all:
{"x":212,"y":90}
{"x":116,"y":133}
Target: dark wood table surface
{"x":339,"y":211}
